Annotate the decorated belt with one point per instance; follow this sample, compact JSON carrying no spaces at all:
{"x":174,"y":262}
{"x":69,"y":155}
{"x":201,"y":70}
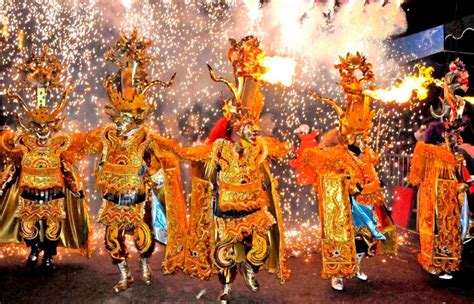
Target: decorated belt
{"x":232,"y":214}
{"x":121,"y":169}
{"x":42,"y":195}
{"x":41,"y":171}
{"x":127,"y":199}
{"x":41,"y":181}
{"x":249,"y":187}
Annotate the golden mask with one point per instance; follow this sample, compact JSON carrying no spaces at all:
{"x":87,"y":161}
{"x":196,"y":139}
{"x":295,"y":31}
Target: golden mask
{"x":43,"y":73}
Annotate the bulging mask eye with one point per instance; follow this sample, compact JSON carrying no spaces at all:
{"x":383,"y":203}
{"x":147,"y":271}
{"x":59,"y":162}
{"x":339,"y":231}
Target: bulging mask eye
{"x":127,"y":119}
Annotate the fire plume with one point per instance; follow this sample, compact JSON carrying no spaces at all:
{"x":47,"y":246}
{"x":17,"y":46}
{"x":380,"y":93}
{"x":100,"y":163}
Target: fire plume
{"x":409,"y":87}
{"x":278,"y":70}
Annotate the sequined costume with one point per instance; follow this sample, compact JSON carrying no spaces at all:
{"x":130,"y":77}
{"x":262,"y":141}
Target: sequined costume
{"x":42,"y":202}
{"x":354,"y":219}
{"x":130,"y":159}
{"x":434,"y":169}
{"x":437,"y":167}
{"x":235,"y":217}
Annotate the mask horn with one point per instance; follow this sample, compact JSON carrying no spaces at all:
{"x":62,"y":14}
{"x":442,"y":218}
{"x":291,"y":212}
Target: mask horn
{"x":160,"y":83}
{"x":439,"y":116}
{"x":22,"y":122}
{"x":332,"y":102}
{"x":63,"y":102}
{"x":234,"y":90}
{"x":15,"y":96}
{"x":148,"y":110}
{"x":111,"y":110}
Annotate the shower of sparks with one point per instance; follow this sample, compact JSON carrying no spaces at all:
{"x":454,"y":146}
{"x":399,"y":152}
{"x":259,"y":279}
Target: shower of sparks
{"x":189,"y":34}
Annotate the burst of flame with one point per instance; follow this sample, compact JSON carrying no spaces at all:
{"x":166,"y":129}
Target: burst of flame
{"x":278,"y":69}
{"x":469,"y":99}
{"x":409,"y":87}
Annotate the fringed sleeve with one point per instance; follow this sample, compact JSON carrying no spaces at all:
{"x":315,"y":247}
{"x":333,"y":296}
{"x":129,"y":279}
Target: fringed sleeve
{"x":93,"y":142}
{"x":7,"y":141}
{"x":76,"y":150}
{"x":193,"y":153}
{"x":277,"y":149}
{"x":324,"y":160}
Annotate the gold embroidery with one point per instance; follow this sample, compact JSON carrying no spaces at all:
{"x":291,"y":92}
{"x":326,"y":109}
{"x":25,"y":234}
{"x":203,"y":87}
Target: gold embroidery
{"x":123,"y":162}
{"x":439,"y":213}
{"x":121,"y":216}
{"x":41,"y":165}
{"x":259,"y":221}
{"x":240,"y":179}
{"x":199,"y":240}
{"x":33,"y":210}
{"x":337,"y":240}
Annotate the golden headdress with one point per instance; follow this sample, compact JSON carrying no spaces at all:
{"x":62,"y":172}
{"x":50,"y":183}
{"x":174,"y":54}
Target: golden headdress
{"x":128,"y":88}
{"x":42,"y":72}
{"x":246,"y":103}
{"x":356,"y":76}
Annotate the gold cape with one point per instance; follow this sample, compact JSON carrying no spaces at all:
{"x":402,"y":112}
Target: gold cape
{"x":439,"y":207}
{"x":175,"y":213}
{"x":201,"y":233}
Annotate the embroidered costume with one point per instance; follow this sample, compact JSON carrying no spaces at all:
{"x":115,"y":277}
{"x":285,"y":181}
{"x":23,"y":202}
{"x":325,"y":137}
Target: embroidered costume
{"x":236,"y":218}
{"x":42,"y":200}
{"x":437,"y":167}
{"x":354,"y":219}
{"x":135,"y":166}
{"x":441,"y":199}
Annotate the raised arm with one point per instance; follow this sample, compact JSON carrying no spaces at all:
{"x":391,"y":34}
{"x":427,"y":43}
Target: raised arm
{"x":193,"y":153}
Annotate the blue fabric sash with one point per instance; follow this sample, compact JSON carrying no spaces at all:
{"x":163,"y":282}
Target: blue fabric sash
{"x":364,"y":216}
{"x":160,"y":225}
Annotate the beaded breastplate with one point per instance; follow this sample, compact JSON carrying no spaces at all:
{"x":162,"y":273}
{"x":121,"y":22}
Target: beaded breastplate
{"x":41,"y":165}
{"x":123,"y":162}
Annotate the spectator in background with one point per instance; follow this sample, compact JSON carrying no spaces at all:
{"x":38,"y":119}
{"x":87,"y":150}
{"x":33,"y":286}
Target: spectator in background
{"x":466,"y":148}
{"x":467,"y":133}
{"x":304,"y":175}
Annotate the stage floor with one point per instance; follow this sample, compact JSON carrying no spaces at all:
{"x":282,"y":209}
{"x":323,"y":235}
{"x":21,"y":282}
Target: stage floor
{"x":81,"y":280}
